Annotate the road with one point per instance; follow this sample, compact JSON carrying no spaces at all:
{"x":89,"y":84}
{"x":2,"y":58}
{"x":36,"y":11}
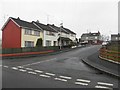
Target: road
{"x":63,"y":70}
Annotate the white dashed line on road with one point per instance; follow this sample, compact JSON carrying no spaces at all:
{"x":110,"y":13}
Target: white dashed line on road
{"x":103,"y":87}
{"x":82,"y":80}
{"x":20,"y":67}
{"x":22,"y":70}
{"x":51,"y":74}
{"x":81,"y":83}
{"x":38,"y":71}
{"x":42,"y":75}
{"x":5,"y":66}
{"x":32,"y":73}
{"x":65,"y":77}
{"x":28,"y":68}
{"x":64,"y":80}
{"x":40,"y":62}
{"x":102,"y":83}
{"x":14,"y":68}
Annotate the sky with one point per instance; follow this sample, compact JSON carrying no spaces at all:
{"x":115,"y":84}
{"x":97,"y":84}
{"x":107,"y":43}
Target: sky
{"x":80,"y":16}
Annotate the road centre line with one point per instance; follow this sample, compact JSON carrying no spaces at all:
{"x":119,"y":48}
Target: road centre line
{"x":38,"y":71}
{"x":5,"y":66}
{"x":103,"y":87}
{"x":20,"y":67}
{"x":39,"y":62}
{"x":81,"y":83}
{"x":66,"y":77}
{"x":28,"y":68}
{"x":42,"y":75}
{"x":83,"y":80}
{"x":102,"y":83}
{"x":14,"y":68}
{"x":22,"y":70}
{"x":32,"y":72}
{"x":51,"y":74}
{"x":64,"y":80}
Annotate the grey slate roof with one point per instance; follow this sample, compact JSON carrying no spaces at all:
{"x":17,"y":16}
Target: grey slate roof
{"x":90,"y":34}
{"x":44,"y":27}
{"x":25,"y":24}
{"x":69,"y":31}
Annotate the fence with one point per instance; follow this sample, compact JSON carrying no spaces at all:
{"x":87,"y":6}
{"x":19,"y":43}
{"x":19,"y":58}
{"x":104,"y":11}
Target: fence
{"x":28,"y":49}
{"x":108,"y":54}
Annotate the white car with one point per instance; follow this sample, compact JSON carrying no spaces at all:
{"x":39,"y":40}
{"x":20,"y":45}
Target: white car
{"x":104,"y":43}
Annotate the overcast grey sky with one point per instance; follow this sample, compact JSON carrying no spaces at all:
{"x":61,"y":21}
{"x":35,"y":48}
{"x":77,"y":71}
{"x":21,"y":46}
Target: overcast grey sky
{"x":77,"y":15}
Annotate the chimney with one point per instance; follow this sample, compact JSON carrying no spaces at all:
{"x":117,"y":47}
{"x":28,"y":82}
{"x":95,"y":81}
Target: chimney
{"x":18,"y":18}
{"x":37,"y":21}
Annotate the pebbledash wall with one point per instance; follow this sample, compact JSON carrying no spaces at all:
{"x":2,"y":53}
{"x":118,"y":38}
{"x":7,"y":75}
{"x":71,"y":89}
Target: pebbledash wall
{"x":32,"y":37}
{"x":11,"y":36}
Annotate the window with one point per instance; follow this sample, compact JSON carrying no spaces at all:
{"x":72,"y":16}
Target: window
{"x":86,"y":37}
{"x":36,"y":33}
{"x":50,"y":33}
{"x":95,"y":37}
{"x":28,"y":32}
{"x":29,"y":44}
{"x":48,"y":43}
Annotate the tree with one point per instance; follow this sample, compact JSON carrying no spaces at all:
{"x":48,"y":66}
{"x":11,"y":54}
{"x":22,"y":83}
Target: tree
{"x":39,"y":42}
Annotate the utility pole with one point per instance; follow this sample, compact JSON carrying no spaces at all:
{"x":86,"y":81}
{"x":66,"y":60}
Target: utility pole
{"x":61,"y":24}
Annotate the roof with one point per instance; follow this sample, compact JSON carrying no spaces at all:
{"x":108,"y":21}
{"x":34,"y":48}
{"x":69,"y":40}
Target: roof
{"x":25,"y":24}
{"x":57,"y":28}
{"x":65,"y":30}
{"x":68,"y":30}
{"x":90,"y":34}
{"x":44,"y":27}
{"x":115,"y":34}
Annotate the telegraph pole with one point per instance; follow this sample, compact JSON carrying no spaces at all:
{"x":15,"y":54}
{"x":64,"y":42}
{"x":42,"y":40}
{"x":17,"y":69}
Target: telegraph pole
{"x":61,"y":24}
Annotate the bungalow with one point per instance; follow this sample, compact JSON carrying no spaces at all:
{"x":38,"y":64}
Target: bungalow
{"x":91,"y":38}
{"x":17,"y":33}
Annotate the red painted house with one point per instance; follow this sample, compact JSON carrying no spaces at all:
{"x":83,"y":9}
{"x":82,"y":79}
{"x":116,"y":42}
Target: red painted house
{"x":14,"y":30}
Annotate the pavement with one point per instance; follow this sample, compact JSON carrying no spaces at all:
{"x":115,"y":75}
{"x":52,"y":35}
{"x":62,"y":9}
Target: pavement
{"x":103,"y":65}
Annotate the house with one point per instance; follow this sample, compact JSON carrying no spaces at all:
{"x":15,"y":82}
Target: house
{"x":115,"y":37}
{"x":50,"y":35}
{"x":66,"y":36}
{"x":17,"y":33}
{"x":91,"y":38}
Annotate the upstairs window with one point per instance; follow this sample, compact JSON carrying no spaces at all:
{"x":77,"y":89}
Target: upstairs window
{"x":29,"y":43}
{"x":28,"y":32}
{"x":36,"y":33}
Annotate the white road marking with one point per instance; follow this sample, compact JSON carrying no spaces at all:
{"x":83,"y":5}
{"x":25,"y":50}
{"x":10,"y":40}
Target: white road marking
{"x":42,"y":75}
{"x":80,"y":83}
{"x":66,"y":77}
{"x":64,"y":80}
{"x":51,"y":74}
{"x":14,"y":68}
{"x":40,"y":62}
{"x":5,"y":66}
{"x":82,"y":80}
{"x":38,"y":71}
{"x":28,"y":68}
{"x":19,"y":66}
{"x":32,"y":72}
{"x":0,"y":65}
{"x":103,"y":87}
{"x":22,"y":70}
{"x":102,"y":83}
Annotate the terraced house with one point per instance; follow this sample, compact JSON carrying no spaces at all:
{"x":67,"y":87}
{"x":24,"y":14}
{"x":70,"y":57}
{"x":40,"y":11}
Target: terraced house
{"x":18,"y":33}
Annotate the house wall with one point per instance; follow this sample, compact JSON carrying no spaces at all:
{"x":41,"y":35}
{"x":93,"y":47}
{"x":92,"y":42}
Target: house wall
{"x":11,"y":36}
{"x":32,"y":37}
{"x":50,"y":38}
